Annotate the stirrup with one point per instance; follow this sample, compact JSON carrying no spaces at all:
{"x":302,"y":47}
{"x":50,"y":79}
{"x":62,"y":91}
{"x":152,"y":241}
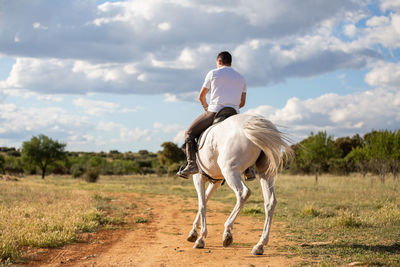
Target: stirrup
{"x":250,"y":174}
{"x":191,"y":168}
{"x":180,"y":174}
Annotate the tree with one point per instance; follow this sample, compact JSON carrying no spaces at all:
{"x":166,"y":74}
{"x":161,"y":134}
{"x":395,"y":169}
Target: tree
{"x":317,"y":150}
{"x":42,"y":151}
{"x":346,"y":144}
{"x":395,"y":157}
{"x":170,"y":154}
{"x":299,"y":165}
{"x":382,"y":148}
{"x":2,"y":161}
{"x":359,"y":156}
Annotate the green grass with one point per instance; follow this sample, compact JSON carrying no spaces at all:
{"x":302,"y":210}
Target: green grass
{"x":141,"y":220}
{"x":253,"y":211}
{"x":339,"y":221}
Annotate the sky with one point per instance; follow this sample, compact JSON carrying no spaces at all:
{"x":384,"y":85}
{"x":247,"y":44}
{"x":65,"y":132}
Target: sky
{"x":125,"y":75}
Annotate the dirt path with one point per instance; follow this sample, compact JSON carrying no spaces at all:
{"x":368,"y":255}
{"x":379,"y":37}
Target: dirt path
{"x":162,"y":241}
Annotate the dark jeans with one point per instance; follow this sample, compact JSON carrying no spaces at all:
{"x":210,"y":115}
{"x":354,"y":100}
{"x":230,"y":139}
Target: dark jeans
{"x":199,"y":125}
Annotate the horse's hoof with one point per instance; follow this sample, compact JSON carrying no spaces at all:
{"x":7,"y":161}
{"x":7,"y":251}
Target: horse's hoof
{"x":257,"y":250}
{"x":192,"y":236}
{"x":227,"y":239}
{"x":199,"y":244}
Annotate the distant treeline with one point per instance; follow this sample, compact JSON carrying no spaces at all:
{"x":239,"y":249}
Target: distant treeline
{"x":43,"y":155}
{"x":376,"y":152}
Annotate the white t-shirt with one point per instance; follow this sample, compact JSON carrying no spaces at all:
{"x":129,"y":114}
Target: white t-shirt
{"x":226,"y":87}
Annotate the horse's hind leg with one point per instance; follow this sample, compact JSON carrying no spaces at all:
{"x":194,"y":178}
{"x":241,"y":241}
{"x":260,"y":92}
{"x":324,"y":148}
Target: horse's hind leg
{"x":267,"y":185}
{"x":242,"y":192}
{"x":199,"y":183}
{"x":212,"y":187}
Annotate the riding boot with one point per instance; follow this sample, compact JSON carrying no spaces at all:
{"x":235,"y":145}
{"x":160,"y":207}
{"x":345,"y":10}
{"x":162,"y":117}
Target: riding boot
{"x":250,"y":174}
{"x":191,"y":167}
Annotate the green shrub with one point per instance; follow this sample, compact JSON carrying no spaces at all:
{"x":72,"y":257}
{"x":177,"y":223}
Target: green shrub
{"x":310,"y":211}
{"x":348,"y":220}
{"x":77,"y":170}
{"x":13,"y":165}
{"x":92,"y":175}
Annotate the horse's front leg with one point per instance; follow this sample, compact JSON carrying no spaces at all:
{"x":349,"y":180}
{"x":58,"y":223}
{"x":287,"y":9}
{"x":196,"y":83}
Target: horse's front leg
{"x":267,"y":185}
{"x":212,"y":187}
{"x":199,"y":182}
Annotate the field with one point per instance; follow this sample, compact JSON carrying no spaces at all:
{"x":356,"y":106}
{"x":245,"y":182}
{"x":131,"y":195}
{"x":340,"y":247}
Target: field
{"x":342,"y":220}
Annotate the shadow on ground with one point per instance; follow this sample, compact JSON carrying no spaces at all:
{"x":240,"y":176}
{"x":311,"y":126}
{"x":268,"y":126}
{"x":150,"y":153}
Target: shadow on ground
{"x":394,"y":248}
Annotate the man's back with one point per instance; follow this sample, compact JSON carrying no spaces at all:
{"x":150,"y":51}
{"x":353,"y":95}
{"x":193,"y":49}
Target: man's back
{"x":226,"y":86}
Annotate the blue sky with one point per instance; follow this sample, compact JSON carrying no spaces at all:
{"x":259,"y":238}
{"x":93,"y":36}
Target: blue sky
{"x":102,"y":75}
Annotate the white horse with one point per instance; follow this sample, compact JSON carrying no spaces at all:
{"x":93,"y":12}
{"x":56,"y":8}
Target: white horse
{"x":225,"y":151}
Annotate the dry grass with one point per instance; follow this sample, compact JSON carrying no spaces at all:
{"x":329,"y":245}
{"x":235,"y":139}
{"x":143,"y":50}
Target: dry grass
{"x":42,"y":216}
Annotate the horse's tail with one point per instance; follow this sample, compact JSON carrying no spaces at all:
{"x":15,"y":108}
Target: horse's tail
{"x":270,"y":140}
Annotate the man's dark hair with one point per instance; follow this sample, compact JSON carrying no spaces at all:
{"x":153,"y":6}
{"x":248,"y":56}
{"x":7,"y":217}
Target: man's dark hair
{"x":225,"y":57}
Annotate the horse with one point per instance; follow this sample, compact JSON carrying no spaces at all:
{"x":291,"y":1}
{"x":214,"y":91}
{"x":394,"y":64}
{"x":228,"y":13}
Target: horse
{"x":225,"y":150}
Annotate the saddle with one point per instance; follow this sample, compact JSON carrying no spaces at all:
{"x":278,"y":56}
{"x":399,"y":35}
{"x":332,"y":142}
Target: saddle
{"x":223,"y":114}
{"x":220,"y":116}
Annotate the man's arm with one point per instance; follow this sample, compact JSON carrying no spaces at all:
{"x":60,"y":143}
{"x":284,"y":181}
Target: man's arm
{"x":202,"y":97}
{"x":242,"y":100}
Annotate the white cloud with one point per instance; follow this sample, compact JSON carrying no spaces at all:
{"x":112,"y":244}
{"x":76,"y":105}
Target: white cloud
{"x":189,"y":96}
{"x":168,"y":128}
{"x":165,"y":26}
{"x":2,"y":96}
{"x":170,"y":98}
{"x":350,"y":30}
{"x":49,"y":98}
{"x":19,"y":123}
{"x":377,"y":21}
{"x":126,"y":135}
{"x":179,"y":138}
{"x":386,"y":5}
{"x":130,"y":110}
{"x":306,"y":56}
{"x":96,"y":108}
{"x":384,"y":74}
{"x":81,"y":133}
{"x":382,"y":32}
{"x":130,"y":135}
{"x":39,"y":26}
{"x":108,"y":126}
{"x":79,"y":140}
{"x":338,"y":115}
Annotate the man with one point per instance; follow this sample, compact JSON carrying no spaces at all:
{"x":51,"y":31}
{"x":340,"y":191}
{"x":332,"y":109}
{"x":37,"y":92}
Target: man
{"x":228,"y":89}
